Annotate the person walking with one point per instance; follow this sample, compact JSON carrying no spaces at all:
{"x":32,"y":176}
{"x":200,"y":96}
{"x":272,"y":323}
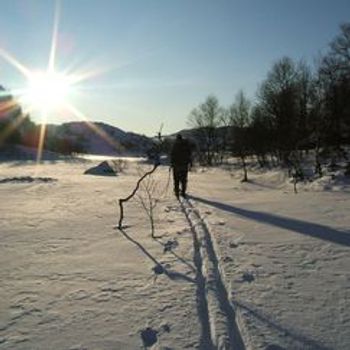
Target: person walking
{"x":180,"y":160}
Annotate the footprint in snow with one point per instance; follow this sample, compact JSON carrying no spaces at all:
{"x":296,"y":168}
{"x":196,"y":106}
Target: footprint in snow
{"x":170,"y":245}
{"x":158,"y":269}
{"x":227,"y":259}
{"x":165,"y":328}
{"x":149,"y":336}
{"x":247,"y":277}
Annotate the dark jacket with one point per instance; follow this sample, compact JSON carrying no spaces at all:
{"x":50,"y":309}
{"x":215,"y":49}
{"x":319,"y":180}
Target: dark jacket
{"x":181,"y":154}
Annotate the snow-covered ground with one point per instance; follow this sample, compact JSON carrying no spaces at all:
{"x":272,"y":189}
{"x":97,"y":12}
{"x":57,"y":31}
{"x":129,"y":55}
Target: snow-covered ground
{"x":250,"y":265}
{"x":285,"y":256}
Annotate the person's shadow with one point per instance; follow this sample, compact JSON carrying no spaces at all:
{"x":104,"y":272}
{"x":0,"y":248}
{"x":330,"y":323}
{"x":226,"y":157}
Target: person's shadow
{"x":304,"y":227}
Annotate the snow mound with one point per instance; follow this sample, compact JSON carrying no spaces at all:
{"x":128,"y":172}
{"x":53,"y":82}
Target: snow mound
{"x":103,"y":169}
{"x":334,"y":182}
{"x":272,"y":179}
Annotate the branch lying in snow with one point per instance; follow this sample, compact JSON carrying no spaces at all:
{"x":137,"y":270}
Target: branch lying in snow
{"x":122,"y":200}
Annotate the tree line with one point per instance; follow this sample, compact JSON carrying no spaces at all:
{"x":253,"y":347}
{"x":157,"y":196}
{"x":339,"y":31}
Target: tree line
{"x":297,"y":108}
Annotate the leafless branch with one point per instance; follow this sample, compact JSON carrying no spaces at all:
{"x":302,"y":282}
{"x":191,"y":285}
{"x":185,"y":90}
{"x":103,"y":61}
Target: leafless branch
{"x":123,"y":200}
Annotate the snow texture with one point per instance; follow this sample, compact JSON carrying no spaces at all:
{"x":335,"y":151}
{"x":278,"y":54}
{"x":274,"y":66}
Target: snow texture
{"x":235,"y":266}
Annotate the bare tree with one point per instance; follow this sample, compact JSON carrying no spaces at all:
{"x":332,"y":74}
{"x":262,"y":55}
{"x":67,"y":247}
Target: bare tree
{"x":206,"y":118}
{"x":334,"y":71}
{"x":149,"y":197}
{"x":340,"y":49}
{"x":156,"y":158}
{"x":317,"y":122}
{"x":132,"y":194}
{"x":260,"y":135}
{"x":240,"y":117}
{"x":278,"y":100}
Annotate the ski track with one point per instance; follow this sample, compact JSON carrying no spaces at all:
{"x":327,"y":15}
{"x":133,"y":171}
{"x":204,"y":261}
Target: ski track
{"x":219,"y":329}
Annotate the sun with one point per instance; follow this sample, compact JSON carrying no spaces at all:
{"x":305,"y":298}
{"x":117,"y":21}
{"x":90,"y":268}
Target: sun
{"x":47,"y":91}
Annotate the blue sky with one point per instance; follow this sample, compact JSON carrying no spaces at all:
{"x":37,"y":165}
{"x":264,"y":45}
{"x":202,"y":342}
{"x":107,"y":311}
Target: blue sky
{"x":160,"y":59}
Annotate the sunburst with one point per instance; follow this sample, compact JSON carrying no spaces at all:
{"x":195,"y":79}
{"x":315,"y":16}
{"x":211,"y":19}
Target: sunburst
{"x":48,"y":91}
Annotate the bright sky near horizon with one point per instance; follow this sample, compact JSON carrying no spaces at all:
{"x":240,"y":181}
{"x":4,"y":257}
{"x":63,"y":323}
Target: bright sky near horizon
{"x":155,"y":60}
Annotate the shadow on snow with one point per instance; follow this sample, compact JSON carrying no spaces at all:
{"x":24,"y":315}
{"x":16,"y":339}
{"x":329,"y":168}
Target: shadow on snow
{"x":306,"y":342}
{"x":304,"y":227}
{"x":158,"y":268}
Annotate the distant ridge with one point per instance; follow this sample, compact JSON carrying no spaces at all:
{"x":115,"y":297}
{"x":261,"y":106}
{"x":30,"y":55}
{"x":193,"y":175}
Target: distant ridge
{"x":102,"y":138}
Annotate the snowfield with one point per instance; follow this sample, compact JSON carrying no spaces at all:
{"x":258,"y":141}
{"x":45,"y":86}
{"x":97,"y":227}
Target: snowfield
{"x":236,"y":266}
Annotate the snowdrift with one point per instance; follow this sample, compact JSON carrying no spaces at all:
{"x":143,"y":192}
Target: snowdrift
{"x":102,"y":169}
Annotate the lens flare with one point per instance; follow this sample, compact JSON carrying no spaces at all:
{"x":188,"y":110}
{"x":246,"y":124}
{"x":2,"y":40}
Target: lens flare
{"x":47,"y":90}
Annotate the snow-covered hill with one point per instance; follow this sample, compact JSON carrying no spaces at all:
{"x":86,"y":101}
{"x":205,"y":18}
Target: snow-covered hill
{"x":101,"y":138}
